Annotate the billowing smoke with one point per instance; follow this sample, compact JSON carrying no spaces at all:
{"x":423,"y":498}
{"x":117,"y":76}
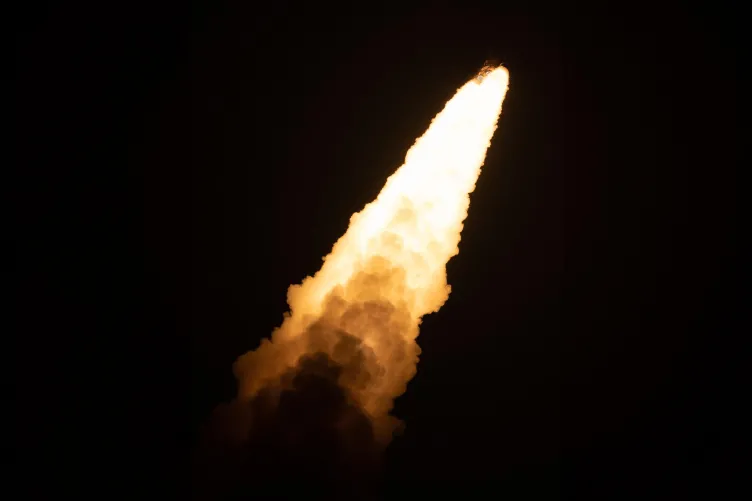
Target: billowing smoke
{"x":313,"y":406}
{"x":305,"y":426}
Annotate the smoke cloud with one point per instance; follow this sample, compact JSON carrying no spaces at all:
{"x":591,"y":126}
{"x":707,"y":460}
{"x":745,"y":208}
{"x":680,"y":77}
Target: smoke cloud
{"x":313,"y":407}
{"x":306,"y":426}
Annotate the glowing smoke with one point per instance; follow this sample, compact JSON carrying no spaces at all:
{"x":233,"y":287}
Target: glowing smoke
{"x":349,"y":340}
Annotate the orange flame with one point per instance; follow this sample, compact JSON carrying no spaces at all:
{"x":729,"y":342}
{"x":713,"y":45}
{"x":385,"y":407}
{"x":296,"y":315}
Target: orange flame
{"x":364,"y":307}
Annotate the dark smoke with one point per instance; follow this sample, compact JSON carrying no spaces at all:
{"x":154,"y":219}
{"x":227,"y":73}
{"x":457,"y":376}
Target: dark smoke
{"x":303,"y":435}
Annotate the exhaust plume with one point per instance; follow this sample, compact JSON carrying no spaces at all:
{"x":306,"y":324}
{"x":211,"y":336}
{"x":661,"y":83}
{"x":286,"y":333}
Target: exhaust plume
{"x":347,"y":348}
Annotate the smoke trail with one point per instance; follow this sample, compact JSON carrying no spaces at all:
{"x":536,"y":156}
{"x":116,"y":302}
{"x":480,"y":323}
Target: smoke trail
{"x":327,"y":379}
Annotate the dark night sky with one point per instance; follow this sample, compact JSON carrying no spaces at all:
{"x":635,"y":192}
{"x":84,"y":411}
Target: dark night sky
{"x":184,"y":166}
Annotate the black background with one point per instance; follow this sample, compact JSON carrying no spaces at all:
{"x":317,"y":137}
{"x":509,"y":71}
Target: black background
{"x":183,"y":165}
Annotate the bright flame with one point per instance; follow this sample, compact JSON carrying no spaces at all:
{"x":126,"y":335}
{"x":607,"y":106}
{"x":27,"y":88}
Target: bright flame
{"x":364,"y":306}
